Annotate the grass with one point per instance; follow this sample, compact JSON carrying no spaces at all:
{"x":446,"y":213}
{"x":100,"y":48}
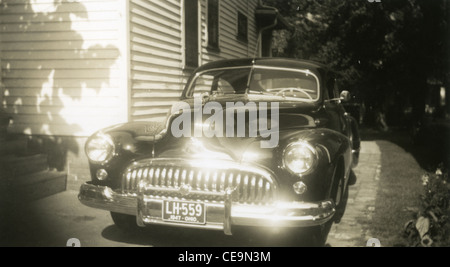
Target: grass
{"x":399,"y":189}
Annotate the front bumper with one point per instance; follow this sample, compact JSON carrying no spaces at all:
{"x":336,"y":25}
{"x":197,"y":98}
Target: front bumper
{"x":220,"y":215}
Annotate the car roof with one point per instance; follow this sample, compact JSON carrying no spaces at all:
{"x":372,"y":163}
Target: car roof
{"x":267,"y":62}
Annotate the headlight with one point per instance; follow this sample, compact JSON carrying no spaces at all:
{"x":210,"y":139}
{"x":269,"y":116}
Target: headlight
{"x":100,"y":148}
{"x":300,"y":158}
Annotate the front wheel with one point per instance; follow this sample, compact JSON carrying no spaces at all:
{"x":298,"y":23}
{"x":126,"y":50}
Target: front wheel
{"x":126,"y":223}
{"x":339,"y":192}
{"x":319,"y":234}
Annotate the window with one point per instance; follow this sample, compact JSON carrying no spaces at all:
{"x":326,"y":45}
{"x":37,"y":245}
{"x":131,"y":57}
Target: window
{"x":191,"y":33}
{"x":221,"y":82}
{"x":293,"y":85}
{"x":213,"y":24}
{"x":332,"y":88}
{"x":242,"y":27}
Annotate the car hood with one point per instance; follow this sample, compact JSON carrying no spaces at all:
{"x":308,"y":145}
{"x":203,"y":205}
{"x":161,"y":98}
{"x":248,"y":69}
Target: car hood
{"x":292,"y":117}
{"x":292,"y":114}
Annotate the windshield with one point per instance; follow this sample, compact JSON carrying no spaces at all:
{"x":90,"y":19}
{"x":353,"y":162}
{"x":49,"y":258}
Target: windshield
{"x":289,"y":84}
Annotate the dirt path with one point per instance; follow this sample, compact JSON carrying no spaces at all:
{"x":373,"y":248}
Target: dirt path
{"x":350,"y":231}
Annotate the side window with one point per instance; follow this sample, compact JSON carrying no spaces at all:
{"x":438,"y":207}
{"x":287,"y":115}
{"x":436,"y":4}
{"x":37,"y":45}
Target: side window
{"x":224,"y":88}
{"x":329,"y":90}
{"x":332,"y":89}
{"x":242,"y":27}
{"x":213,"y":24}
{"x":336,"y":88}
{"x":212,"y":85}
{"x":326,"y":96}
{"x":191,"y":33}
{"x":203,"y":84}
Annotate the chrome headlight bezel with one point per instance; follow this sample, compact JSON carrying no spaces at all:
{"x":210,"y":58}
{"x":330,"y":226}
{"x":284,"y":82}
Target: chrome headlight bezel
{"x":306,"y":155}
{"x":100,"y":148}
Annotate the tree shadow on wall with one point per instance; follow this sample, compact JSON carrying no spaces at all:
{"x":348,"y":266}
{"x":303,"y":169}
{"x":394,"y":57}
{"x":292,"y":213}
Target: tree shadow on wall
{"x":47,"y":68}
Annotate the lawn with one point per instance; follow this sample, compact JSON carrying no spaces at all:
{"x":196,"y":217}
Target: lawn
{"x":399,"y":189}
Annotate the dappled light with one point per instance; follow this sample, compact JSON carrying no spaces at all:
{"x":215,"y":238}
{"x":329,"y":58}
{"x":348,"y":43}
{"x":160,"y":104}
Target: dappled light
{"x":58,"y":77}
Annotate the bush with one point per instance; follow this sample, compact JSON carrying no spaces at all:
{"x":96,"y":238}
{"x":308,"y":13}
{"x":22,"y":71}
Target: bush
{"x":431,"y":226}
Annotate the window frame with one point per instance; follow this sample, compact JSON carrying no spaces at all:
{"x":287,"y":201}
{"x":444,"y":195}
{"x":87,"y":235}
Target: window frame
{"x":191,"y":55}
{"x":242,"y":27}
{"x":189,"y":94}
{"x":213,"y":9}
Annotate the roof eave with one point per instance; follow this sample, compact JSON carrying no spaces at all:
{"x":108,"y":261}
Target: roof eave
{"x":266,"y":15}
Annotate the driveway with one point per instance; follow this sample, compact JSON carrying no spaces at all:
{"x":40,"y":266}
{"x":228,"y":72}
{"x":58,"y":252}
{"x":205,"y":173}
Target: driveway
{"x":52,"y":221}
{"x":361,"y":203}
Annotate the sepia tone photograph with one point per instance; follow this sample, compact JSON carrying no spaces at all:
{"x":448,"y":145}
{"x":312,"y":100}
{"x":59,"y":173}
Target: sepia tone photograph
{"x":224,"y":123}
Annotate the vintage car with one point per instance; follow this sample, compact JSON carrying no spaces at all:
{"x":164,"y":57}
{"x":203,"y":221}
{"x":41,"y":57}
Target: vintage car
{"x":251,"y":143}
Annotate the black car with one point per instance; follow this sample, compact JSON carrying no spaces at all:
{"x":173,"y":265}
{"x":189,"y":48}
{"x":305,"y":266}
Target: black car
{"x":252,"y":142}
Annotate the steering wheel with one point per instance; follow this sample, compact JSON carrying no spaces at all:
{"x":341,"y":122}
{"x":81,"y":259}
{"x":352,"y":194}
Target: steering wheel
{"x":293,"y":89}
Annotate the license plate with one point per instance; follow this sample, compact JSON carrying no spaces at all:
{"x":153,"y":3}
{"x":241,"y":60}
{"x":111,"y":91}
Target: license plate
{"x":184,"y":212}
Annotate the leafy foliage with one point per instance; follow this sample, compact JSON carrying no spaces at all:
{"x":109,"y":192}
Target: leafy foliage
{"x":432,"y":225}
{"x":384,"y":50}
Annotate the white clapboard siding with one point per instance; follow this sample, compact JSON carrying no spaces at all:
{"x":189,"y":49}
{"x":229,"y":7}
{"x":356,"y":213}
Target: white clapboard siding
{"x":230,"y":47}
{"x":157,"y":29}
{"x":61,"y":65}
{"x":156,"y":57}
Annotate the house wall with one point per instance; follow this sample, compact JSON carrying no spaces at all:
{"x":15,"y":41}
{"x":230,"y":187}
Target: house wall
{"x":70,"y":68}
{"x":158,"y":72}
{"x":64,"y":70}
{"x":156,"y":57}
{"x":230,"y":46}
{"x":61,"y":65}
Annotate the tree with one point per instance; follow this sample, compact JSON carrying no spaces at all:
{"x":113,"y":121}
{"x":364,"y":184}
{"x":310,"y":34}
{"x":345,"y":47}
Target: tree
{"x":386,"y":51}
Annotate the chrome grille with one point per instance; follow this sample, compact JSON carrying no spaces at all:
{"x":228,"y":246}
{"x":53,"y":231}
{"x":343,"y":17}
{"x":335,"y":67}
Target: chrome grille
{"x":206,"y":184}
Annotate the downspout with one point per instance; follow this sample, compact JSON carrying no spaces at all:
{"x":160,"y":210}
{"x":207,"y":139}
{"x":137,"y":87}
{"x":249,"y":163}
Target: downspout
{"x":262,"y":30}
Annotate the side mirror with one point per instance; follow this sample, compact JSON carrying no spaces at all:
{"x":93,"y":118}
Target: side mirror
{"x":345,"y":96}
